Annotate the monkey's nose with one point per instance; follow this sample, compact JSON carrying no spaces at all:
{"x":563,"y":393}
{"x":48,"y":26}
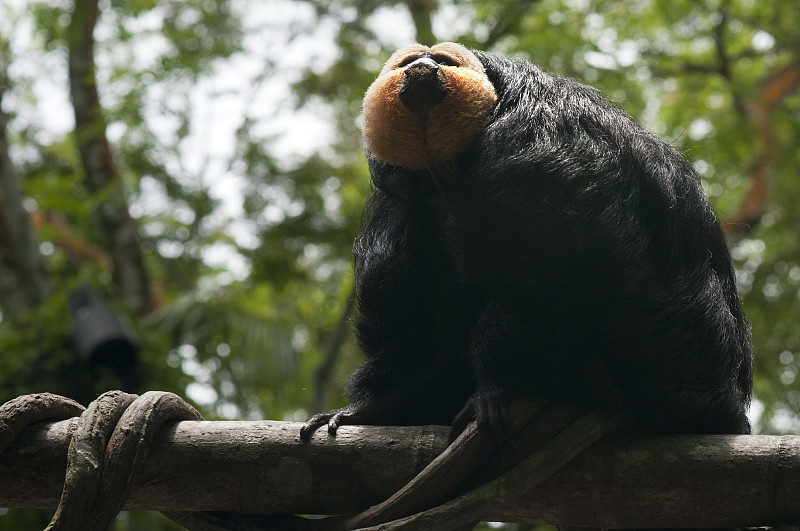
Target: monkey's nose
{"x":424,"y":66}
{"x":423,"y":86}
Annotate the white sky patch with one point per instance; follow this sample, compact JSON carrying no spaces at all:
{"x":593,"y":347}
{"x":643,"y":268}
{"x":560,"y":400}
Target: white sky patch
{"x":450,"y":20}
{"x":784,"y":421}
{"x":282,"y":39}
{"x":152,"y":199}
{"x":762,"y":41}
{"x":393,"y":26}
{"x":600,"y":60}
{"x":700,"y":128}
{"x":579,"y":5}
{"x":650,"y":114}
{"x":218,"y":111}
{"x":701,"y":44}
{"x":627,"y":53}
{"x":201,"y":393}
{"x":755,"y":411}
{"x":280,"y":58}
{"x":254,"y":84}
{"x":50,"y":107}
{"x":245,"y":232}
{"x":224,"y":256}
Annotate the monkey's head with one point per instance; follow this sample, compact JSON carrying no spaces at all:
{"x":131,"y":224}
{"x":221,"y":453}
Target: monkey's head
{"x":427,"y":105}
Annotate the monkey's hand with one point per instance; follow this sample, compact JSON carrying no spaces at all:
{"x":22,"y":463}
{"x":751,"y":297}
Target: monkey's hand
{"x":351,"y":414}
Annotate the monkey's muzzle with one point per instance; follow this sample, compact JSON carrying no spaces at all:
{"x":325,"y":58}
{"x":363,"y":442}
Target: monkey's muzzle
{"x":423,"y":86}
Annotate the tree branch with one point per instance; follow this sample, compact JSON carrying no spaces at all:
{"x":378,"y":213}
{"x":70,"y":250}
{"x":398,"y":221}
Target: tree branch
{"x":759,"y":111}
{"x":120,"y":229}
{"x":421,"y":13}
{"x":262,"y":467}
{"x":507,"y":22}
{"x":76,"y":247}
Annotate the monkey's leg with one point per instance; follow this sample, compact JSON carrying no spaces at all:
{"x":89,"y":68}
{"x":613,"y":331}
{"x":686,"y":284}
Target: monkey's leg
{"x":547,"y":440}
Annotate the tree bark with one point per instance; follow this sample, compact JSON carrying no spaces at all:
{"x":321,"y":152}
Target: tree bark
{"x":262,"y":467}
{"x":101,"y":175}
{"x":422,"y":15}
{"x":23,"y":282}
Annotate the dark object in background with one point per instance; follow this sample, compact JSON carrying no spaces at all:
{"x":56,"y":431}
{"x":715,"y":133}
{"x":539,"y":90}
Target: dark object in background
{"x":102,"y":338}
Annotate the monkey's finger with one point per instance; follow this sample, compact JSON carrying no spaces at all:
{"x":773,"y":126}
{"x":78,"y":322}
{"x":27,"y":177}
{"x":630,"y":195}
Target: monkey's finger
{"x":333,"y":423}
{"x":315,"y":422}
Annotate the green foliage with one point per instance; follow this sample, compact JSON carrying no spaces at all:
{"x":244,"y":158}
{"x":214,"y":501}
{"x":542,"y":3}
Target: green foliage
{"x":683,"y":69}
{"x":251,"y":288}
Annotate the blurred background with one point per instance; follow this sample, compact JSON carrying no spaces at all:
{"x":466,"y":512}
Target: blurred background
{"x":179,"y":192}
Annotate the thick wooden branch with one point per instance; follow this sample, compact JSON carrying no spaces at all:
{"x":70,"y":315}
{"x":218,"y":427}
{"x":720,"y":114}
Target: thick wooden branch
{"x":262,"y":467}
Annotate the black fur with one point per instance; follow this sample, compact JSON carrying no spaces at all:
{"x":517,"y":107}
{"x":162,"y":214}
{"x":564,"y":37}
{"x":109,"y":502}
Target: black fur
{"x":576,"y":258}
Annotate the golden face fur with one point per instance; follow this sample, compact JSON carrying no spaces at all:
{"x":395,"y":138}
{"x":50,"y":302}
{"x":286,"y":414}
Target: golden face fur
{"x":396,"y":135}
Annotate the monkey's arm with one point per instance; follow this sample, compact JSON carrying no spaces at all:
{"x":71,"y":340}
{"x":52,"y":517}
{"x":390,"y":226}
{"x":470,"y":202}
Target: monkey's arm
{"x":411,"y":318}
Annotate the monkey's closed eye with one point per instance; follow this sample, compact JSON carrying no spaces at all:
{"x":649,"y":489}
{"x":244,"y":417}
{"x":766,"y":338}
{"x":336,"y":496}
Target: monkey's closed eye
{"x":444,"y":60}
{"x":408,"y":60}
{"x":441,"y":59}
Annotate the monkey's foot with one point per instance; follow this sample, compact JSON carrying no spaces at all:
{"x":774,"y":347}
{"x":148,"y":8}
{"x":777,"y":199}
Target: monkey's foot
{"x":489,"y":409}
{"x":338,"y":417}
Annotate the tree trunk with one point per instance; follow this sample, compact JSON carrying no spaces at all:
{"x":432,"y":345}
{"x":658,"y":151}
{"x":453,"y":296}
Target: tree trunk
{"x":101,"y":174}
{"x":23,"y":283}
